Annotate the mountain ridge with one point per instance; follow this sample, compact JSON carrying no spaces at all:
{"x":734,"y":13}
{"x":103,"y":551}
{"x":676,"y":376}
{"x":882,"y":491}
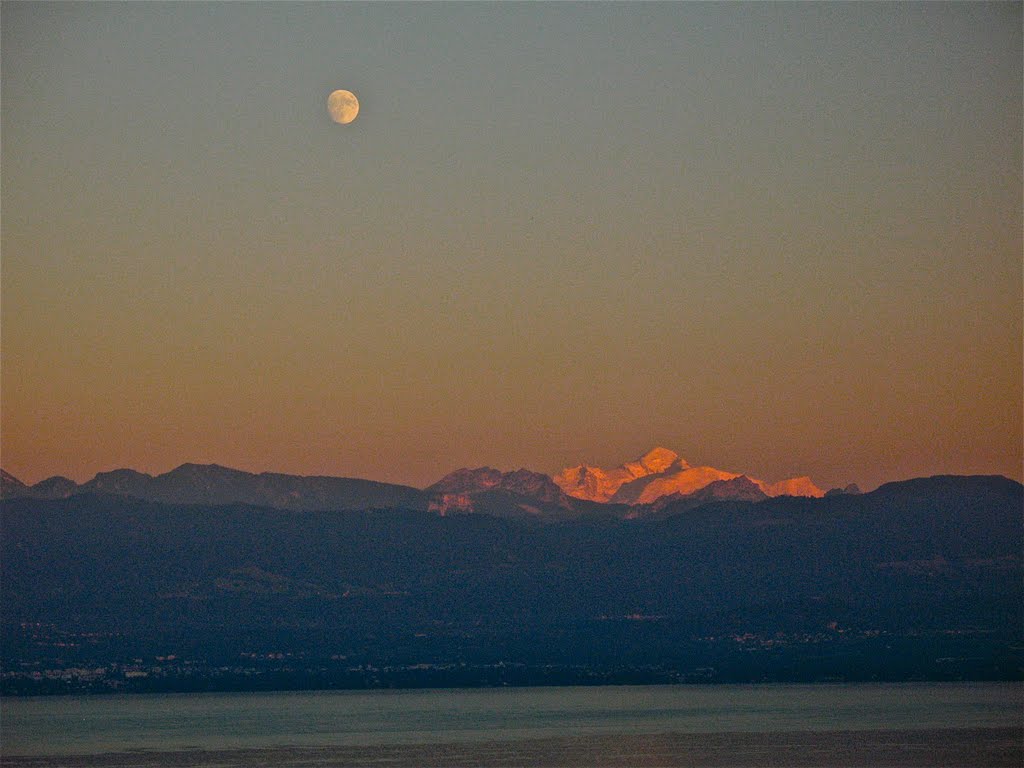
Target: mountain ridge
{"x":192,"y":483}
{"x":645,"y":486}
{"x":663,"y":472}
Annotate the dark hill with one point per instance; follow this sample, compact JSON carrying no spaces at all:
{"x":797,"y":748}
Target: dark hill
{"x":214,"y":484}
{"x":11,"y":486}
{"x":915,"y":580}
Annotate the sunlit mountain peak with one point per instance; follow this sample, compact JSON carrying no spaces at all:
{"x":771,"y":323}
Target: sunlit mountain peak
{"x":661,"y":472}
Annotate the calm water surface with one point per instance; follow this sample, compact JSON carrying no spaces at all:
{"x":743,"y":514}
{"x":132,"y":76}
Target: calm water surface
{"x":167,"y":722}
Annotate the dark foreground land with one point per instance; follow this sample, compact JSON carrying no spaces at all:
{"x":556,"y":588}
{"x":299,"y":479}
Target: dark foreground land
{"x":949,"y":748}
{"x":920,"y":580}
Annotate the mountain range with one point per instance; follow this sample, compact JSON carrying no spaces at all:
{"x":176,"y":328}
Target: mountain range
{"x":105,"y":591}
{"x":214,"y":484}
{"x":206,"y":578}
{"x":662,"y":472}
{"x":634,"y":489}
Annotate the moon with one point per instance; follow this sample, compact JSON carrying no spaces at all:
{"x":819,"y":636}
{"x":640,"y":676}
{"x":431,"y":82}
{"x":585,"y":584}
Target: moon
{"x":343,"y":106}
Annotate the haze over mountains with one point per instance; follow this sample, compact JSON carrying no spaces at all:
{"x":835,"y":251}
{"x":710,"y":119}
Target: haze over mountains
{"x":634,"y":489}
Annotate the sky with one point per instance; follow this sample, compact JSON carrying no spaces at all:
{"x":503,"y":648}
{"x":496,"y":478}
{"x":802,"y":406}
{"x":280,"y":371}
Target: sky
{"x":781,"y":239}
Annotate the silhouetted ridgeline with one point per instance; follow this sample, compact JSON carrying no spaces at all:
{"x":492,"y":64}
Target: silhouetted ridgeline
{"x":213,"y":484}
{"x":921,"y":579}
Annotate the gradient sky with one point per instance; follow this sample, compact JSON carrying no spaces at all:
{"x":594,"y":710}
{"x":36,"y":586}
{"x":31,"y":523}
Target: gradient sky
{"x":777,"y":238}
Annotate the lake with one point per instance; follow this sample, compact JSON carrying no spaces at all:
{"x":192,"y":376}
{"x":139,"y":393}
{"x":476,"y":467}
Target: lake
{"x":728,"y":725}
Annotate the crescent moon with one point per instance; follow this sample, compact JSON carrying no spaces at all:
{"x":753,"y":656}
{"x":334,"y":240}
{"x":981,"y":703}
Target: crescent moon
{"x":343,"y":106}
